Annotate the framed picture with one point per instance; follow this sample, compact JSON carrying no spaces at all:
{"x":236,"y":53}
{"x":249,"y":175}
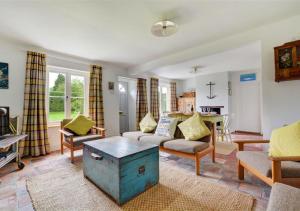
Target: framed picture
{"x":285,"y":56}
{"x":287,"y":61}
{"x":248,"y":77}
{"x":111,"y":86}
{"x":3,"y":75}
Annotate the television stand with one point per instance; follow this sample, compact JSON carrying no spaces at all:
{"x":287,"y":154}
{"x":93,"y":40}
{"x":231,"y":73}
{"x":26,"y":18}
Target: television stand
{"x":7,"y":141}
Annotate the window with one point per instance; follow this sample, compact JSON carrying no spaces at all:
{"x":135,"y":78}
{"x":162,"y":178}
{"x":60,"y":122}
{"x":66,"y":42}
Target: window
{"x":57,"y":96}
{"x":164,"y":98}
{"x":67,"y":93}
{"x":77,"y":95}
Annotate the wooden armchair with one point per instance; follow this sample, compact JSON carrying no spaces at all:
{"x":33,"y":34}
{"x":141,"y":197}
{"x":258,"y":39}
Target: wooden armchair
{"x":74,"y":142}
{"x":268,"y":169}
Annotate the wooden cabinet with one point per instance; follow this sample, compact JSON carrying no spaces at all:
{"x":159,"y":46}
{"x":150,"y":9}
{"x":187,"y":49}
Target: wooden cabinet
{"x":187,"y":103}
{"x":287,"y":61}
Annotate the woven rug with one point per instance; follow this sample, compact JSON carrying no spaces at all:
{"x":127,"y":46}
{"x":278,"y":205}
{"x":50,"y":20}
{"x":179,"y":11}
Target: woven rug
{"x":225,"y":148}
{"x":178,"y":189}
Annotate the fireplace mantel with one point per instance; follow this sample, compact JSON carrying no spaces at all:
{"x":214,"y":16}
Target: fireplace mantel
{"x":216,"y":109}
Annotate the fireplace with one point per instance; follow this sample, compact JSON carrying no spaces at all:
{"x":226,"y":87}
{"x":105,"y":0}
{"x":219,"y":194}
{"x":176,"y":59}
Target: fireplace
{"x":216,"y":109}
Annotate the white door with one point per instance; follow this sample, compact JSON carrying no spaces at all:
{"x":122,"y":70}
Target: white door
{"x":123,"y":107}
{"x":248,"y":114}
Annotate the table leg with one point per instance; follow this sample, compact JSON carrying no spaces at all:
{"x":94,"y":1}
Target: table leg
{"x":222,"y":130}
{"x":17,"y":150}
{"x":215,"y":135}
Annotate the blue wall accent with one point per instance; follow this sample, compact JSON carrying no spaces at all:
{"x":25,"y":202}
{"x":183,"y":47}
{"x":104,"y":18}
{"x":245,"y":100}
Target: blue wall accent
{"x":248,"y":77}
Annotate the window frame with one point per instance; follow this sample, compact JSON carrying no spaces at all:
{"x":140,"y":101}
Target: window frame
{"x":168,"y":97}
{"x":68,"y":92}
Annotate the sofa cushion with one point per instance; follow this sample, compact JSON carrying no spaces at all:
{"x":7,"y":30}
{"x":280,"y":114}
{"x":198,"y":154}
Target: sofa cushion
{"x":135,"y":135}
{"x":260,"y":161}
{"x":166,"y":127}
{"x":194,"y":128}
{"x":178,"y":134}
{"x":285,"y":141}
{"x":284,"y":197}
{"x":148,"y":123}
{"x":80,"y":125}
{"x":183,"y":145}
{"x":78,"y":140}
{"x":154,"y":139}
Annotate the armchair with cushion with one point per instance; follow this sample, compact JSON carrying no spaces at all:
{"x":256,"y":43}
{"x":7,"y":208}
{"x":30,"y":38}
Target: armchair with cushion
{"x":269,"y":169}
{"x":75,"y":142}
{"x":178,"y":146}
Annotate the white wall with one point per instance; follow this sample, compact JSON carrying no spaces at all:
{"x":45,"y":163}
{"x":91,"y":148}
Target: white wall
{"x":202,"y":91}
{"x":16,"y":58}
{"x":15,"y":55}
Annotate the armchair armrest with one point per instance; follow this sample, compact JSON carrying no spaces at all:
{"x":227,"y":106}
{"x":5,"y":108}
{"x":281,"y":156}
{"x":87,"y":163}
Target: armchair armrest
{"x":286,"y":158}
{"x":66,"y":133}
{"x":100,"y":131}
{"x":241,"y":143}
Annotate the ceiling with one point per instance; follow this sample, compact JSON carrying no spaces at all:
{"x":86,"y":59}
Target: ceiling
{"x":246,"y":57}
{"x":118,"y":31}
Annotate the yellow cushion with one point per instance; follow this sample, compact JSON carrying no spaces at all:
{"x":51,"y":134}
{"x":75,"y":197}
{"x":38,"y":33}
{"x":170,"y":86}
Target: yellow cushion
{"x":285,"y":141}
{"x":80,"y":125}
{"x":148,"y":124}
{"x":194,"y":128}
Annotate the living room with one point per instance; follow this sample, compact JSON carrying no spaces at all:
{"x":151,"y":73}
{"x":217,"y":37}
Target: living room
{"x":125,"y":68}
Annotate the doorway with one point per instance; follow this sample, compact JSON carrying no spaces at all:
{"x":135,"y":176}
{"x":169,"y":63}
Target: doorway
{"x":245,"y":104}
{"x":249,"y":107}
{"x":123,"y":106}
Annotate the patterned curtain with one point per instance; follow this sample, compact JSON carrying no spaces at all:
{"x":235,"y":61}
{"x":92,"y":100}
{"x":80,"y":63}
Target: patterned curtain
{"x":141,"y":100}
{"x":173,"y":97}
{"x":34,"y":112}
{"x":154,"y":100}
{"x":95,"y":96}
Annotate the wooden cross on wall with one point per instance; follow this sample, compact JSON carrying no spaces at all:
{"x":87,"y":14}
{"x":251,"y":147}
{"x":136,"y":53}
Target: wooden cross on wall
{"x":211,"y":96}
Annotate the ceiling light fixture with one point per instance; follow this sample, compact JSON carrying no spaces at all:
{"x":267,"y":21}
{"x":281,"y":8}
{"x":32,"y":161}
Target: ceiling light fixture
{"x":164,"y":28}
{"x":195,"y":69}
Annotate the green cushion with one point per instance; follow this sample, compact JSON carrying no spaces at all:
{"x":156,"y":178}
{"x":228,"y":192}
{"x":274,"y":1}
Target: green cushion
{"x":148,"y":123}
{"x":285,"y":141}
{"x":194,"y":128}
{"x":80,"y":125}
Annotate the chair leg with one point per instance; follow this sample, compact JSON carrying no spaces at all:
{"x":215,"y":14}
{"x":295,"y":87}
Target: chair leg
{"x":61,"y":144}
{"x":61,"y":148}
{"x":213,"y":155}
{"x":197,"y":164}
{"x":276,"y":171}
{"x":229,"y":135}
{"x":241,"y":171}
{"x":72,"y":155}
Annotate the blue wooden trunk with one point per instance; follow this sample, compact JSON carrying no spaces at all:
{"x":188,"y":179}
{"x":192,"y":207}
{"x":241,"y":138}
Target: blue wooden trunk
{"x":121,"y":168}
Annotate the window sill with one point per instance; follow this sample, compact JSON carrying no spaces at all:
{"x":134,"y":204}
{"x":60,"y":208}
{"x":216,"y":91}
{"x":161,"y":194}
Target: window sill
{"x":53,"y":124}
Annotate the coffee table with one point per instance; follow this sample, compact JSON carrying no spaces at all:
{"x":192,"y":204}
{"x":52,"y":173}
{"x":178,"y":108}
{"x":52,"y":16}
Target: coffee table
{"x":120,"y":167}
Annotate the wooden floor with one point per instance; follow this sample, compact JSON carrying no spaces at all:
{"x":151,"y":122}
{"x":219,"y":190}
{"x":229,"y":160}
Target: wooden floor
{"x":14,"y":196}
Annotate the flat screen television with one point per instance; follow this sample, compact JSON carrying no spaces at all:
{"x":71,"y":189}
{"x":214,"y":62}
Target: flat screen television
{"x":4,"y":121}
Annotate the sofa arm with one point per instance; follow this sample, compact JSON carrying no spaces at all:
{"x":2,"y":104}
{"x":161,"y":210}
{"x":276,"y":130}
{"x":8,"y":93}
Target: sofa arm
{"x":241,"y":143}
{"x":286,"y":158}
{"x":99,"y":130}
{"x":66,"y":133}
